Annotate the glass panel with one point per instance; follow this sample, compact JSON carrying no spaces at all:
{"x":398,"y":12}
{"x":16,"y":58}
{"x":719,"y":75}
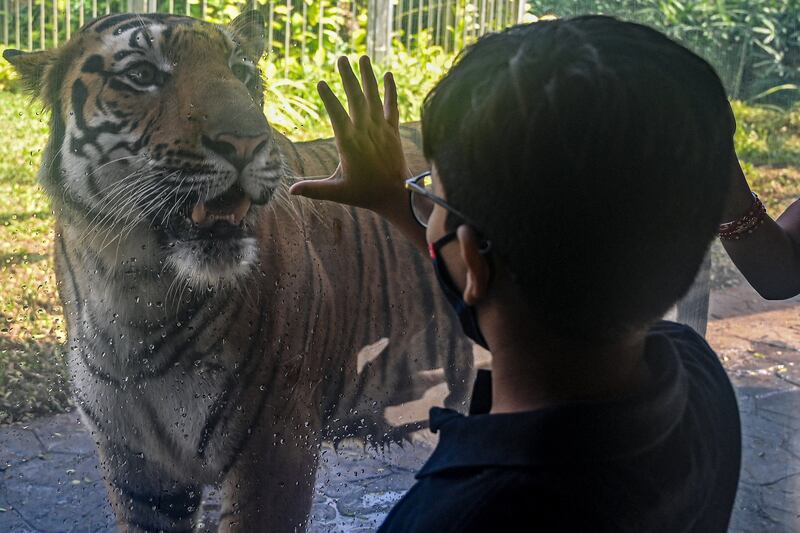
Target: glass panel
{"x":185,"y":344}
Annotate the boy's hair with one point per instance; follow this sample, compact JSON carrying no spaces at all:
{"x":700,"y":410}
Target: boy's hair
{"x":595,"y":155}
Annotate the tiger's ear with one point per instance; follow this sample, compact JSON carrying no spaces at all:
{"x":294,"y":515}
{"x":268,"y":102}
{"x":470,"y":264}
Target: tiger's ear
{"x":33,"y":68}
{"x":248,"y":30}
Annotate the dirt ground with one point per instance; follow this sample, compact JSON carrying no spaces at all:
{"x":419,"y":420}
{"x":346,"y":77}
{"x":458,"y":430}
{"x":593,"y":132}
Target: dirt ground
{"x":759,"y":344}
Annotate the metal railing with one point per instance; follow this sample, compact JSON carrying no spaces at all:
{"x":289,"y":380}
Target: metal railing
{"x":374,"y":24}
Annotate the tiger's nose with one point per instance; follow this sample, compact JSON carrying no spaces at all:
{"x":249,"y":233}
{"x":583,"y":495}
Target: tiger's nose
{"x":235,"y":149}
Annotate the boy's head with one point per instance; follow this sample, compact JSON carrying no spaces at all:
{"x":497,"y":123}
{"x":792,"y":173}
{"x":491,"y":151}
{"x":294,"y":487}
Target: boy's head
{"x":594,"y":154}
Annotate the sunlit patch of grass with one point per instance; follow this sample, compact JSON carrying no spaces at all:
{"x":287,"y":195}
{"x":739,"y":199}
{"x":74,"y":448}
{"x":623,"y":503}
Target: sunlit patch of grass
{"x":32,"y":371}
{"x":778,"y":187}
{"x":767,"y":136}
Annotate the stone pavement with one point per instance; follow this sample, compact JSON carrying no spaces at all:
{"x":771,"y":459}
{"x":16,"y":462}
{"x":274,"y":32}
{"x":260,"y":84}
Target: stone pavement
{"x":50,"y":482}
{"x":49,"y":478}
{"x":759,"y":344}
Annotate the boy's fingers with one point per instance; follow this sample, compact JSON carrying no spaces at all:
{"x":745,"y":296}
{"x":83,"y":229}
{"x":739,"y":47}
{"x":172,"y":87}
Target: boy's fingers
{"x":340,"y":121}
{"x":370,"y":85}
{"x":324,"y":189}
{"x":390,"y":110}
{"x":355,"y":97}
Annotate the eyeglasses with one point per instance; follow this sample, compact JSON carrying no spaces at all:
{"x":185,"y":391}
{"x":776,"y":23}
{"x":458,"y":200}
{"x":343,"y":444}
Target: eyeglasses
{"x":422,"y":199}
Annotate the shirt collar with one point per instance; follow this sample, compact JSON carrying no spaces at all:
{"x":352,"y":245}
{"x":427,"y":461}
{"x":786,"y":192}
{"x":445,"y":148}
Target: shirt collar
{"x":568,"y":434}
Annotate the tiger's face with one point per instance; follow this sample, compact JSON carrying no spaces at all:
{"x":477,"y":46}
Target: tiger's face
{"x":158,"y":127}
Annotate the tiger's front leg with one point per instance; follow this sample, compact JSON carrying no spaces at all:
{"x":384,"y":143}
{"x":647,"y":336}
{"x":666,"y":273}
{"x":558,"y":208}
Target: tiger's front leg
{"x":143,"y":497}
{"x":270,"y":487}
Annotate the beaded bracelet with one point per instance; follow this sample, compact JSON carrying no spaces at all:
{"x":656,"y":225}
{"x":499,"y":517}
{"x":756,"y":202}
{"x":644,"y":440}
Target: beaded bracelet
{"x":745,"y":224}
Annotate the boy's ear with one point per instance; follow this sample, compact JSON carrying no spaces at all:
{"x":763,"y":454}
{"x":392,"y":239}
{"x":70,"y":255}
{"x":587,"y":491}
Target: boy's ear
{"x":32,"y":67}
{"x":477,"y":266}
{"x":248,"y":30}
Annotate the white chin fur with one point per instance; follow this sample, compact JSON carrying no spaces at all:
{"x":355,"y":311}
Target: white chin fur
{"x":200,"y":271}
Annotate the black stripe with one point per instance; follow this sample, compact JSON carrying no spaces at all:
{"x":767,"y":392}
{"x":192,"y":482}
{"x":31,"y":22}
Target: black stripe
{"x":161,"y":433}
{"x":122,"y":54}
{"x":62,"y":252}
{"x":138,"y":36}
{"x":119,"y":86}
{"x":251,"y":375}
{"x":358,"y":327}
{"x":98,"y":373}
{"x":174,"y":504}
{"x":149,"y":527}
{"x":101,"y":375}
{"x":140,"y":23}
{"x":425,"y":289}
{"x":242,"y":444}
{"x":386,"y":248}
{"x":107,"y":22}
{"x":159,"y":343}
{"x":83,"y":405}
{"x":217,"y":409}
{"x":102,"y":24}
{"x":379,"y":224}
{"x":333,"y":155}
{"x":79,"y":95}
{"x":94,"y":188}
{"x":300,"y":167}
{"x":316,"y":155}
{"x":93,"y":64}
{"x":320,"y":329}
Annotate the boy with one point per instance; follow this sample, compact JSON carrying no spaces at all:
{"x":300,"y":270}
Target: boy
{"x":579,"y":172}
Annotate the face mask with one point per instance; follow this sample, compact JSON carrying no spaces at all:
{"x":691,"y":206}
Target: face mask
{"x":466,"y":313}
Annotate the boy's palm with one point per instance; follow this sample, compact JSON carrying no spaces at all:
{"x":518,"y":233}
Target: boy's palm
{"x":372,"y":166}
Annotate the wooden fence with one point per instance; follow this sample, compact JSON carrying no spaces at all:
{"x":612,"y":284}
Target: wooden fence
{"x":40,"y":24}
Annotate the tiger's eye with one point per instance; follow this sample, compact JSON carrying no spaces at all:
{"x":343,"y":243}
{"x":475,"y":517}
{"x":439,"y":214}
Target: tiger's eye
{"x":143,"y":74}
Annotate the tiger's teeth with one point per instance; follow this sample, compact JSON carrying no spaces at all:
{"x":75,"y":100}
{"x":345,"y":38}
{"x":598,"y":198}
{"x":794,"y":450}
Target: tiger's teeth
{"x":199,"y":213}
{"x":232,"y":212}
{"x":231,"y":219}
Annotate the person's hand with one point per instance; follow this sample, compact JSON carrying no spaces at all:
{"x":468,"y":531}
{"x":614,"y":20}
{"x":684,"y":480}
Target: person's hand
{"x":372,"y":166}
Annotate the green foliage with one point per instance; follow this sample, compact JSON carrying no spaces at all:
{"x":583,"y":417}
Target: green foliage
{"x":766,"y":136}
{"x":294,"y":107}
{"x":754,"y":44}
{"x":9,"y":81}
{"x":32,"y":370}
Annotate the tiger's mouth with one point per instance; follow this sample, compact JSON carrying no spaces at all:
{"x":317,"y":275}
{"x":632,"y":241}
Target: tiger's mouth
{"x":221,"y":218}
{"x":211,"y":242}
{"x":229,"y":208}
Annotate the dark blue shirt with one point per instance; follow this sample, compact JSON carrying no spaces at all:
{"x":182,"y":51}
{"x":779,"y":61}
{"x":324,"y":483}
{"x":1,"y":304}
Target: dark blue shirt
{"x":666,"y":459}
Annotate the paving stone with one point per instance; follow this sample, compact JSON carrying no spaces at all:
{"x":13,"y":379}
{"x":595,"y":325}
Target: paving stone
{"x":64,"y":435}
{"x":17,"y":443}
{"x":50,"y":482}
{"x":50,"y":478}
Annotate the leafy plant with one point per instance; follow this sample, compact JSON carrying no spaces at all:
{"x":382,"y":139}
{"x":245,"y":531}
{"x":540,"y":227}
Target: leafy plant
{"x":753,"y":44}
{"x":9,"y":81}
{"x":293,"y":106}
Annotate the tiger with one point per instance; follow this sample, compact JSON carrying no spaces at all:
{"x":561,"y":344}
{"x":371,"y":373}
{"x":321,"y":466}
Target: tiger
{"x":216,"y":325}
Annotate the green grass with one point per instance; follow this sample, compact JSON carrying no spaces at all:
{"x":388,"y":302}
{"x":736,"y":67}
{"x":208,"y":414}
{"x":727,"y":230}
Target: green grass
{"x":32,"y":372}
{"x":33,"y":377}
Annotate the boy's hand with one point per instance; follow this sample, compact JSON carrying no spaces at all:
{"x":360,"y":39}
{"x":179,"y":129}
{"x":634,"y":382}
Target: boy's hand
{"x":372,"y":166}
